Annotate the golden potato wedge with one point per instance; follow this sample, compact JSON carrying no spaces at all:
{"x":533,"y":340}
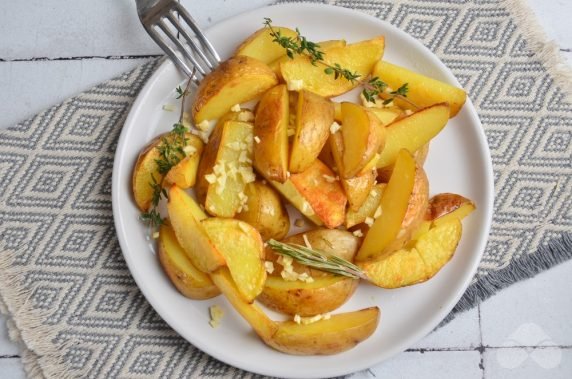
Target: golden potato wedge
{"x":423,"y":91}
{"x":243,"y":251}
{"x":340,"y":243}
{"x":412,"y":132}
{"x":446,"y":206}
{"x":294,"y":197}
{"x":184,"y":174}
{"x":358,"y":57}
{"x":260,"y":44}
{"x":394,"y":204}
{"x":226,"y":168}
{"x":362,"y":138}
{"x":324,"y":46}
{"x":189,"y":280}
{"x":235,"y":81}
{"x":429,"y":254}
{"x":314,"y":116}
{"x":325,"y":196}
{"x":368,"y":207}
{"x":190,"y":232}
{"x":265,"y":212}
{"x":339,"y":333}
{"x":271,"y":131}
{"x":307,"y":299}
{"x":357,"y":188}
{"x":144,"y":171}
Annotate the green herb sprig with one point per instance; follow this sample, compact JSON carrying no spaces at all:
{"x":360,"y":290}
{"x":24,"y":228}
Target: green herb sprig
{"x":300,"y":45}
{"x":171,"y":152}
{"x":317,"y":259}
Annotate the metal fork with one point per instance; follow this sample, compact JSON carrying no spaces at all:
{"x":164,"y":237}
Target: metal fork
{"x":163,"y":20}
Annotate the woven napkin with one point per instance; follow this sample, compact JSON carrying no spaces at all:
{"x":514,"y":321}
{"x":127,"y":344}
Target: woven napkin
{"x":64,"y":286}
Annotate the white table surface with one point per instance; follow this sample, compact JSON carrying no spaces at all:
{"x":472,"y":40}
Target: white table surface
{"x":51,"y":50}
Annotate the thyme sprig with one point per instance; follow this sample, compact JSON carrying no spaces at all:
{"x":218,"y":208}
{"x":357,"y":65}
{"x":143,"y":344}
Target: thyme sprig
{"x":300,"y":45}
{"x":317,"y":259}
{"x":171,"y":152}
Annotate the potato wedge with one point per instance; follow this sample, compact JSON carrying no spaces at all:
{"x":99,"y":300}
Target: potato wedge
{"x":184,"y":174}
{"x":363,"y":136}
{"x":339,"y":333}
{"x":358,"y":57}
{"x":394,"y":204}
{"x":324,"y":195}
{"x":314,"y":116}
{"x":357,"y":188}
{"x":412,"y":132}
{"x":367,"y":209}
{"x":307,"y":299}
{"x":144,"y":171}
{"x":260,"y":44}
{"x":271,"y":130}
{"x":189,"y":280}
{"x":235,"y":81}
{"x":445,"y":206}
{"x":190,"y":232}
{"x":243,"y":251}
{"x":340,"y":243}
{"x":265,"y":211}
{"x":226,"y":168}
{"x":423,"y":91}
{"x":419,"y":263}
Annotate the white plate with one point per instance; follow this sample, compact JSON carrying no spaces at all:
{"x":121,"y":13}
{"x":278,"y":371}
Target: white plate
{"x":459,"y":161}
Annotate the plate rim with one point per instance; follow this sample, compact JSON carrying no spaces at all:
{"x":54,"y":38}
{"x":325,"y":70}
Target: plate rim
{"x":433,"y":320}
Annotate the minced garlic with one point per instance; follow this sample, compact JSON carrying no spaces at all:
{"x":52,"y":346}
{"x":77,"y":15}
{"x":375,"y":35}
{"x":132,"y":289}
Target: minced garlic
{"x":329,"y":178}
{"x":335,"y":127}
{"x":257,"y":139}
{"x":216,"y":314}
{"x":235,"y":108}
{"x":269,"y":267}
{"x":169,"y":108}
{"x":408,"y":112}
{"x":245,"y":116}
{"x":295,"y":85}
{"x":358,"y":233}
{"x":369,"y":221}
{"x":378,"y":212}
{"x":204,"y":125}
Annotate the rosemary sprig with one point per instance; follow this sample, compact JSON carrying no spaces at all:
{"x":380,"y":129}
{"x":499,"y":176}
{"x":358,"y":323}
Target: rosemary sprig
{"x":317,"y":259}
{"x":300,"y":45}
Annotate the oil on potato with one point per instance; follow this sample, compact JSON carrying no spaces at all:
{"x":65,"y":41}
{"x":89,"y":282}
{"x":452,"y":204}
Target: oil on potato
{"x":323,"y":295}
{"x":265,"y":211}
{"x":189,"y":280}
{"x":261,"y":45}
{"x":271,"y":130}
{"x":314,"y":116}
{"x":235,"y":81}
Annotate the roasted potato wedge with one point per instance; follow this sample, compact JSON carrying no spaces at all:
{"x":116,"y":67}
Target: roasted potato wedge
{"x":265,"y":211}
{"x":445,"y":206}
{"x":260,"y":44}
{"x":416,"y":264}
{"x":332,"y":336}
{"x":323,"y":295}
{"x":324,"y":195}
{"x":189,"y":280}
{"x":184,"y":174}
{"x":144,"y":171}
{"x":243,"y":251}
{"x":226,"y":168}
{"x":235,"y":81}
{"x":314,"y":116}
{"x":403,"y":205}
{"x":358,"y":57}
{"x":186,"y":216}
{"x":367,"y":209}
{"x":271,"y":131}
{"x":340,"y":243}
{"x":423,"y":91}
{"x":412,"y":132}
{"x":362,"y":138}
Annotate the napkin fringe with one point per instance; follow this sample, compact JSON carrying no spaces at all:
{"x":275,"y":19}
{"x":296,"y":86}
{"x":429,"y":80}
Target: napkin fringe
{"x":543,"y":48}
{"x":556,"y":251}
{"x":41,"y":357}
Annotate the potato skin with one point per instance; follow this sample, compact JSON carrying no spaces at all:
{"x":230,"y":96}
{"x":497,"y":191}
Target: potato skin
{"x":235,"y":81}
{"x":307,"y":299}
{"x":265,"y":212}
{"x":444,"y":203}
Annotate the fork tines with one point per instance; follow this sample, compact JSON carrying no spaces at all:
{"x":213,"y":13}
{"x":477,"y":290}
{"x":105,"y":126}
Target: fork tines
{"x":165,"y":22}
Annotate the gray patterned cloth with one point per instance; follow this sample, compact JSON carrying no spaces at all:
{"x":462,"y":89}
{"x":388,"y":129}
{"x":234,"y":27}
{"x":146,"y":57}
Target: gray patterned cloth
{"x":64,"y":285}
